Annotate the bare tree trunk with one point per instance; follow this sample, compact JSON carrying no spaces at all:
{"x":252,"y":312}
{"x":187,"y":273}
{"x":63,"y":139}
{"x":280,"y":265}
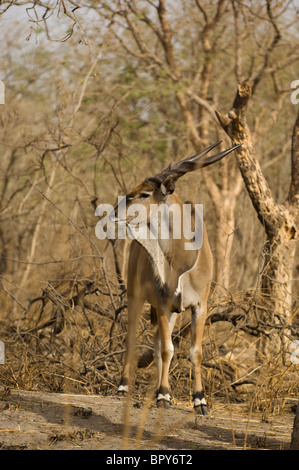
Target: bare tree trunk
{"x":277,"y":273}
{"x":34,"y":240}
{"x":224,"y":197}
{"x":279,"y":220}
{"x":224,"y":236}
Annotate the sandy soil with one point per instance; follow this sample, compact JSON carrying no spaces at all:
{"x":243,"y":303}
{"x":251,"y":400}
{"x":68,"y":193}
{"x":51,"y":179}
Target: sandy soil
{"x":37,"y":420}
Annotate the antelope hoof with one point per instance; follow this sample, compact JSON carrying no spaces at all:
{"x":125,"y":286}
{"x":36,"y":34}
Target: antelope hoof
{"x":201,"y":410}
{"x":122,"y":390}
{"x":163,"y":404}
{"x":200,"y":404}
{"x":163,"y":401}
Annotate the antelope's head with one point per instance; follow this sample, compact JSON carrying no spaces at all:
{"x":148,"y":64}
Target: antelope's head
{"x":160,"y":188}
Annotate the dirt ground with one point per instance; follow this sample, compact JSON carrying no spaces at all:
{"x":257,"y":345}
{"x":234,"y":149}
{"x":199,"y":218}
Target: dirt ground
{"x":45,"y":421}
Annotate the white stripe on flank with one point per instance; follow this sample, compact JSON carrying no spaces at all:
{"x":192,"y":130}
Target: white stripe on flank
{"x":179,"y":287}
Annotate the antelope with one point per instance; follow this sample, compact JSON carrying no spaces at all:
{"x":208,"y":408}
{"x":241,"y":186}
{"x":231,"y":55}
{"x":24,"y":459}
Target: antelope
{"x":168,"y":276}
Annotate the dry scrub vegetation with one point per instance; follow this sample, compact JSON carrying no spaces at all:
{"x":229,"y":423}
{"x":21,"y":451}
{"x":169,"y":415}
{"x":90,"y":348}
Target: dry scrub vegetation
{"x":87,"y":116}
{"x":71,"y":339}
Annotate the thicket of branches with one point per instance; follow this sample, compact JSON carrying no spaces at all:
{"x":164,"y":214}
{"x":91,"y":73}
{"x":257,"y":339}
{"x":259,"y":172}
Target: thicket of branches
{"x":101,"y":96}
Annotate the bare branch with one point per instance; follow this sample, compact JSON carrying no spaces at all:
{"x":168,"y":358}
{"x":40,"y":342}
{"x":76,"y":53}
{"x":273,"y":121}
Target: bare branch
{"x":277,"y":36}
{"x":167,"y":39}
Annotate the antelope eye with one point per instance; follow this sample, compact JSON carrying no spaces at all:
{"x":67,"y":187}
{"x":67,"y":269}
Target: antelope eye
{"x":144,"y":195}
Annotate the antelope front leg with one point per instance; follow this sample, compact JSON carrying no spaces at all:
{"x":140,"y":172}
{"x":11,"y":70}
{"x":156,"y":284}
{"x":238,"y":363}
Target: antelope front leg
{"x":163,"y":355}
{"x":134,"y":309}
{"x":198,"y":323}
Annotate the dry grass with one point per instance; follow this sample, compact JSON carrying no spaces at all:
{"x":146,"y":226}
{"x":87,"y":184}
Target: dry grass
{"x":62,"y":344}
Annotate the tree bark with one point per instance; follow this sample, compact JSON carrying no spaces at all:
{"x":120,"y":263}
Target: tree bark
{"x":279,"y":220}
{"x":224,"y":239}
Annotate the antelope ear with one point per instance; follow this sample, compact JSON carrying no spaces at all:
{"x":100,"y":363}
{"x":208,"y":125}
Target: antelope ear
{"x":167,"y":186}
{"x":153,"y":182}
